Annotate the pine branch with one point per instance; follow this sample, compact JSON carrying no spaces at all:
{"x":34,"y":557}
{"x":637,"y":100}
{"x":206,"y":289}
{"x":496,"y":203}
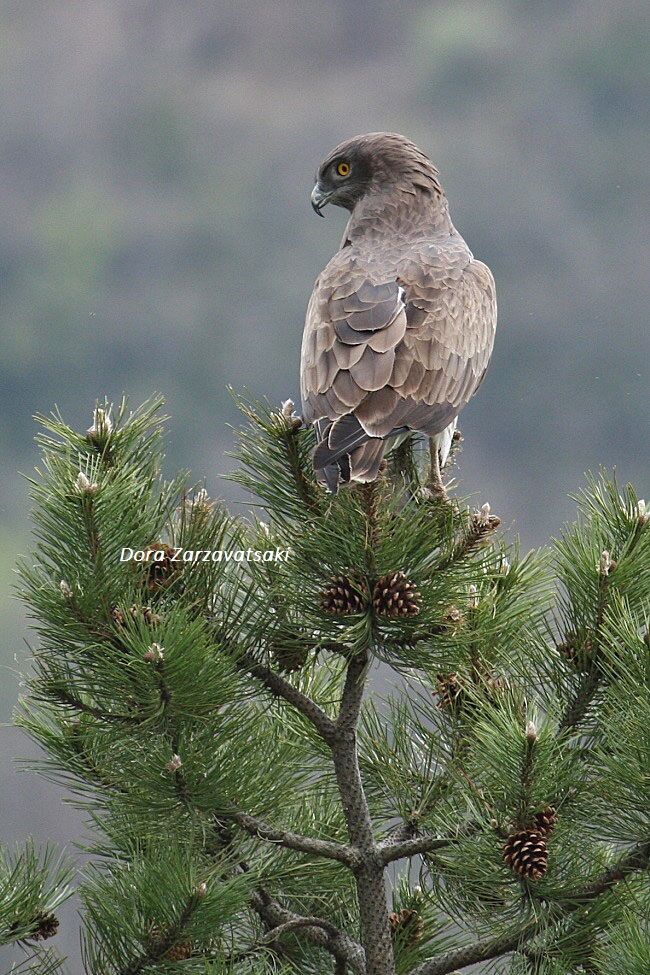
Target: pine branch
{"x":175,"y":765}
{"x":607,"y":582}
{"x":482,"y":524}
{"x":340,"y":945}
{"x":287,"y":927}
{"x":370,"y":499}
{"x":159,"y":947}
{"x":486,"y":950}
{"x":294,"y":841}
{"x":33,"y":885}
{"x":419,"y":845}
{"x":301,"y":922}
{"x":637,"y":859}
{"x":352,"y":697}
{"x":578,"y":708}
{"x":307,"y":490}
{"x":68,"y":700}
{"x":280,"y":687}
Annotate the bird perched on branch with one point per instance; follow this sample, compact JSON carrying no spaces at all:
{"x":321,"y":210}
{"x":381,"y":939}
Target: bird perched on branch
{"x":400,"y":325}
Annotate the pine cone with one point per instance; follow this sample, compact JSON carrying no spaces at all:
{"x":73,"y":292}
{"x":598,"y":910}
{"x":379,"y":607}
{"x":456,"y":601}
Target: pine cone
{"x":526,"y":853}
{"x":45,"y":926}
{"x":449,"y":691}
{"x":161,"y":572}
{"x":289,"y":659}
{"x":545,"y":821}
{"x":394,"y":595}
{"x":343,"y":597}
{"x":408,"y":925}
{"x":576,"y":649}
{"x":117,"y":616}
{"x":179,"y":952}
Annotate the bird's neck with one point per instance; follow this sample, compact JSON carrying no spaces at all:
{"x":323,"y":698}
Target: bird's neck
{"x":408,"y":211}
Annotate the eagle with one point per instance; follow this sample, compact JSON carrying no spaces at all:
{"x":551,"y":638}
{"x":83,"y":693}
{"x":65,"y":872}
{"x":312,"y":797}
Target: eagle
{"x":400,"y":326}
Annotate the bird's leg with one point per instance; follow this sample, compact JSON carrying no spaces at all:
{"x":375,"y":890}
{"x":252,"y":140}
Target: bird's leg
{"x":434,"y":482}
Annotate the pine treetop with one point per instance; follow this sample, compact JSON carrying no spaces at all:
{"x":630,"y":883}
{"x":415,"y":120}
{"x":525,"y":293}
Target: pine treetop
{"x":257,"y":805}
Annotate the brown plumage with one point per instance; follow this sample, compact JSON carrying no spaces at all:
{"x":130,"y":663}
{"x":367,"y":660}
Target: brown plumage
{"x":400,"y":325}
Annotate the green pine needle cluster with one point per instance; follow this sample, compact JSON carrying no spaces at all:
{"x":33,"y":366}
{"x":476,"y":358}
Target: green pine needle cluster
{"x":257,"y":807}
{"x":33,"y":885}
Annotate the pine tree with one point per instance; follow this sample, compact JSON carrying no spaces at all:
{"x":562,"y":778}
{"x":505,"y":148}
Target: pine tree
{"x":258,"y":807}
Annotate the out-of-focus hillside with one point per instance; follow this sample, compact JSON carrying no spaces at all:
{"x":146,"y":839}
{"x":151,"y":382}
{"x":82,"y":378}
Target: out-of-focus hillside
{"x":156,"y":232}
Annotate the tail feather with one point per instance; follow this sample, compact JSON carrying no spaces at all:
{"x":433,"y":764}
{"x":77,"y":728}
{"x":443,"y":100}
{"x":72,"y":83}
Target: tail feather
{"x":365,"y":461}
{"x":339,"y":439}
{"x":345,"y":452}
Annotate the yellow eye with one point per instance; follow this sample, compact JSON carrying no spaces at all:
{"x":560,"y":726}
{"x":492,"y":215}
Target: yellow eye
{"x":343,"y":169}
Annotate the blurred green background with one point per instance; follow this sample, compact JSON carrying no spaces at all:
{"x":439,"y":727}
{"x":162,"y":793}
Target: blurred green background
{"x":156,"y":232}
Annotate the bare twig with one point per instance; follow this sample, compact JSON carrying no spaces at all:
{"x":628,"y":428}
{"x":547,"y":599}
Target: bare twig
{"x":274,"y":933}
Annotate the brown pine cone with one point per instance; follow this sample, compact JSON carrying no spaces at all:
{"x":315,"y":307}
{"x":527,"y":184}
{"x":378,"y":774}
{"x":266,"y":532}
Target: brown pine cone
{"x":526,"y":854}
{"x":546,"y":820}
{"x":449,"y":691}
{"x":395,"y":595}
{"x":45,"y":926}
{"x":408,"y":925}
{"x":289,"y":659}
{"x":160,"y":572}
{"x":179,"y":952}
{"x":576,"y":649}
{"x":343,"y":597}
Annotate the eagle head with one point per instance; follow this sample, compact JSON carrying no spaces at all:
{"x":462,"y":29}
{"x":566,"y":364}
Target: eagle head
{"x":372,"y":163}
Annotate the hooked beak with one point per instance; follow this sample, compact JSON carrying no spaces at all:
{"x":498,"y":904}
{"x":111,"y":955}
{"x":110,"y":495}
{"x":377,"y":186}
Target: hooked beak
{"x":319,"y":199}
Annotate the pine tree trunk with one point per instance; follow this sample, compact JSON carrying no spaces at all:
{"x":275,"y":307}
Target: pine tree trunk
{"x":369,"y":875}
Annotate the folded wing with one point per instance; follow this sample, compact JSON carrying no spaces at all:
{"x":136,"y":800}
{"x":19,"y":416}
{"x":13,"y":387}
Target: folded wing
{"x":387,"y":352}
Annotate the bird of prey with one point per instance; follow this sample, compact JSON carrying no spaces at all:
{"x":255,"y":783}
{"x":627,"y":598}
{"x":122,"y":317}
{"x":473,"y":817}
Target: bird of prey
{"x":400,"y":326}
